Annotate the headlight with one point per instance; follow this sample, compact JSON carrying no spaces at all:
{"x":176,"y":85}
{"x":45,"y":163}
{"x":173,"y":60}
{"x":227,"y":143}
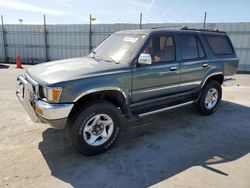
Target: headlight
{"x":52,"y":94}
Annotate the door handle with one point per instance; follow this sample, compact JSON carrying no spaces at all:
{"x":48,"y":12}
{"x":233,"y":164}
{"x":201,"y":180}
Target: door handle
{"x":173,"y":68}
{"x":205,"y":65}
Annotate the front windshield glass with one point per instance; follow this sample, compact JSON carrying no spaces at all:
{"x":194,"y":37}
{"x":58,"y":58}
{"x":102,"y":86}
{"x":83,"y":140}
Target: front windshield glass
{"x":119,"y":47}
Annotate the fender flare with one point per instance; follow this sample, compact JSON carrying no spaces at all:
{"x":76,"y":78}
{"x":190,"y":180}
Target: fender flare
{"x":108,"y":88}
{"x":210,"y":75}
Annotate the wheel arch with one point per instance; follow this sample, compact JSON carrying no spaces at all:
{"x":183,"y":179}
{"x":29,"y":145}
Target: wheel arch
{"x":114,"y":95}
{"x":218,"y":76}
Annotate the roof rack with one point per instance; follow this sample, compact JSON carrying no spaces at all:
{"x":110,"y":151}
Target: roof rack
{"x":208,"y":30}
{"x":166,"y":26}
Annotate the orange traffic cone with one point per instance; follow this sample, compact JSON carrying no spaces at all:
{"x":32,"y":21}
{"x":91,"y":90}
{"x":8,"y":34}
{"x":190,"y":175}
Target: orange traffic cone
{"x":18,"y":62}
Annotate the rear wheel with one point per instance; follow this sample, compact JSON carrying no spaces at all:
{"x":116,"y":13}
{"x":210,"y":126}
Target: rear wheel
{"x":210,"y":98}
{"x":95,"y":128}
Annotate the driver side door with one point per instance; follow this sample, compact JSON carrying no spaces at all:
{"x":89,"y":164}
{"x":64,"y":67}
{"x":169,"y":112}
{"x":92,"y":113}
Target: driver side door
{"x":162,"y":77}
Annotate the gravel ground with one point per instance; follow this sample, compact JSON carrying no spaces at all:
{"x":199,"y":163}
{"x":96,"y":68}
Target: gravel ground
{"x":178,"y":148}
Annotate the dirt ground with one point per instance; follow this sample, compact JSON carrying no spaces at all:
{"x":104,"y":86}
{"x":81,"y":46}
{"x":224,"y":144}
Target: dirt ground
{"x":178,"y":148}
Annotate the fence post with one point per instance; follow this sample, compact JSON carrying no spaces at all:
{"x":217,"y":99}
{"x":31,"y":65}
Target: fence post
{"x":45,"y":39}
{"x":4,"y":42}
{"x":141,"y":21}
{"x":90,"y":33}
{"x":205,"y":19}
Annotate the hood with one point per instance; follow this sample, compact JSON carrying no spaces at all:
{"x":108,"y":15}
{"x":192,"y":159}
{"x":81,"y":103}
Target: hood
{"x":69,"y":69}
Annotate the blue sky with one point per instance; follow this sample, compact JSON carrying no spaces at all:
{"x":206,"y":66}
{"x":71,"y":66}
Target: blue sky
{"x":124,"y":11}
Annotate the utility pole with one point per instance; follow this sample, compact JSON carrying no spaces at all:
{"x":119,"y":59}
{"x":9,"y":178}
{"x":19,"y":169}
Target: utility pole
{"x":141,"y":21}
{"x":90,"y":33}
{"x":45,"y":38}
{"x":205,"y":19}
{"x":91,"y":18}
{"x":4,"y":41}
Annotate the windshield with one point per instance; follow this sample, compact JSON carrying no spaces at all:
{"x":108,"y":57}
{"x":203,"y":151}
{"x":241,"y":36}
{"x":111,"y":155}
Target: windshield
{"x":119,"y":47}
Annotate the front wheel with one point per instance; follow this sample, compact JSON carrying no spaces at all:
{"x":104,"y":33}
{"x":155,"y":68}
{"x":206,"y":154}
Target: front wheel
{"x":95,"y":128}
{"x":210,"y":98}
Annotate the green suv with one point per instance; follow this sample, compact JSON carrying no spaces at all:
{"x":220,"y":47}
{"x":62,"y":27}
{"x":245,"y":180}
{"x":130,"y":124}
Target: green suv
{"x":133,"y":74}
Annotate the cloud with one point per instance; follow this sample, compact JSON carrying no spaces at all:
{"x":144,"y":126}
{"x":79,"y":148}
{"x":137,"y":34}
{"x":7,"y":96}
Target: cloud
{"x":65,"y":3}
{"x":15,"y":5}
{"x":150,"y":6}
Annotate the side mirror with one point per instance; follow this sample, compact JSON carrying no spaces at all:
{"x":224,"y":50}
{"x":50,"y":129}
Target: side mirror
{"x":145,"y":59}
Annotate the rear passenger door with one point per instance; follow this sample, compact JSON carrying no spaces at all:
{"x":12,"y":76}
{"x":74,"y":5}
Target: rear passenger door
{"x":194,"y":62}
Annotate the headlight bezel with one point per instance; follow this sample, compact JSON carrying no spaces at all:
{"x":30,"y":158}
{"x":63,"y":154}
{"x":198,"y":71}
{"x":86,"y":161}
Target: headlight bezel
{"x":51,"y":94}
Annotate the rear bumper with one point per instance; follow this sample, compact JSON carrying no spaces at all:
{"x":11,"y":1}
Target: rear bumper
{"x":40,"y":111}
{"x":229,"y":82}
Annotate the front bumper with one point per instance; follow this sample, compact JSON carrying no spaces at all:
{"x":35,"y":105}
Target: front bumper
{"x":40,"y":111}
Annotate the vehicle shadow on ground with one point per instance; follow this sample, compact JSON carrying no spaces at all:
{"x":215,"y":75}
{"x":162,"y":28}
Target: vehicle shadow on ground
{"x":154,"y":149}
{"x":2,"y":66}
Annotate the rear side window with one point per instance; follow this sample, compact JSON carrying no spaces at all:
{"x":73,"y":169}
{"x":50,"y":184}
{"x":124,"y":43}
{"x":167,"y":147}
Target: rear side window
{"x":191,"y":47}
{"x":220,"y":45}
{"x":200,"y":49}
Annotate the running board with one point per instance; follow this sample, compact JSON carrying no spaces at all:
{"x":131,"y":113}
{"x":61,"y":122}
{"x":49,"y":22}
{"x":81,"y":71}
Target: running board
{"x":165,"y":109}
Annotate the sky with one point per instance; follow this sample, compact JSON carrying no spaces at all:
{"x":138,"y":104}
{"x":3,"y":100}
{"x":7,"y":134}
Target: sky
{"x":124,"y":11}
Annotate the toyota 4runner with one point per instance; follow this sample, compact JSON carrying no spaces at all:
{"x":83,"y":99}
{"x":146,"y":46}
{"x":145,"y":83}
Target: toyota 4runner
{"x":133,"y":74}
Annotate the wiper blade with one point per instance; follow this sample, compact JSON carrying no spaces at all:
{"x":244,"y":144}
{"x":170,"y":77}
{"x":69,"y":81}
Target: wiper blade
{"x":93,"y":51}
{"x":92,"y":54}
{"x":108,"y":58}
{"x":117,"y":62}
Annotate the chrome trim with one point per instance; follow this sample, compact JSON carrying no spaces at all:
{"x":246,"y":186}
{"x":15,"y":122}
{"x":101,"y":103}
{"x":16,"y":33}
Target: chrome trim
{"x":229,"y":82}
{"x":108,"y":88}
{"x":33,"y":82}
{"x":165,"y":87}
{"x":50,"y":111}
{"x":205,"y":65}
{"x":165,"y":109}
{"x":191,"y":83}
{"x":27,"y":98}
{"x":173,"y":68}
{"x":213,"y":74}
{"x":154,"y":89}
{"x":53,"y":111}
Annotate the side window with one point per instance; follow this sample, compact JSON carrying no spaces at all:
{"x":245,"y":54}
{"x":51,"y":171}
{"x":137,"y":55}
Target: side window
{"x":149,"y":48}
{"x":220,"y":45}
{"x":200,"y":49}
{"x":191,"y":47}
{"x":161,"y":48}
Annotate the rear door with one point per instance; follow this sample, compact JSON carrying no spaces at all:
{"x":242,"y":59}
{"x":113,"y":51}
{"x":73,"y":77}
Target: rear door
{"x":194,"y":62}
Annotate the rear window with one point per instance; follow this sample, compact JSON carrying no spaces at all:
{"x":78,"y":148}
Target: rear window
{"x":220,"y":45}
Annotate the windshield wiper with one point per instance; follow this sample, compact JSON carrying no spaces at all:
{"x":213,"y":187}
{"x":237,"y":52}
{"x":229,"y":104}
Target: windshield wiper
{"x":93,"y":51}
{"x":93,"y":54}
{"x":117,"y":62}
{"x":110,"y":59}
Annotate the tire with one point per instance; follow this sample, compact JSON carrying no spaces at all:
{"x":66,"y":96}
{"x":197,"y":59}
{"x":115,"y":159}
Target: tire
{"x":209,"y":93}
{"x":95,"y":127}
